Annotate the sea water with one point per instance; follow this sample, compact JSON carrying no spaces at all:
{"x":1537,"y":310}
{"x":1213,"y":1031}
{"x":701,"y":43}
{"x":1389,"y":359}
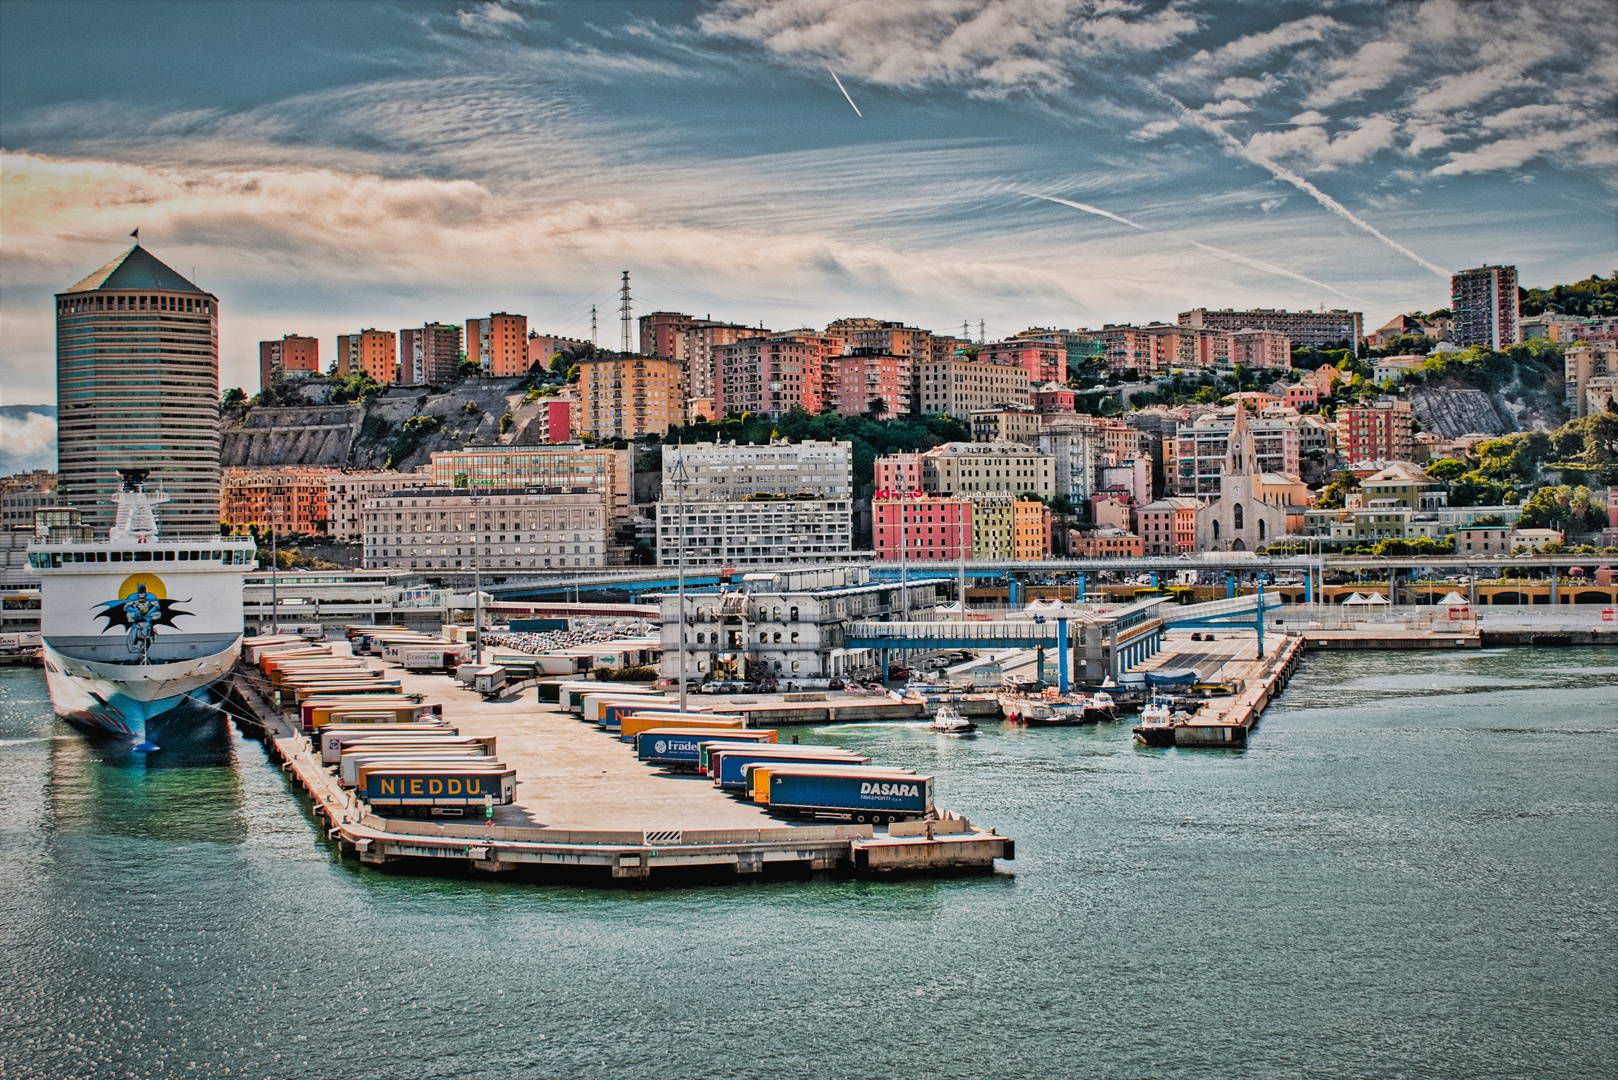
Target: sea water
{"x":1411,"y":872}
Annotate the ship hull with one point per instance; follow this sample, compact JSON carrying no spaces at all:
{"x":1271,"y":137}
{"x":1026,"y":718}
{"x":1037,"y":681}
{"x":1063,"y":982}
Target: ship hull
{"x":125,"y":698}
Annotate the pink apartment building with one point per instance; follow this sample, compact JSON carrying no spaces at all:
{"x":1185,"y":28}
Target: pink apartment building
{"x":926,"y":528}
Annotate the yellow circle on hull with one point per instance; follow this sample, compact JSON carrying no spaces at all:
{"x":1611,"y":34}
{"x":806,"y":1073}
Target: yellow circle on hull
{"x":153,"y":583}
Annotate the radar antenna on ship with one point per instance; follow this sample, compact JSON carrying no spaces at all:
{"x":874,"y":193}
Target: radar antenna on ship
{"x":136,"y":520}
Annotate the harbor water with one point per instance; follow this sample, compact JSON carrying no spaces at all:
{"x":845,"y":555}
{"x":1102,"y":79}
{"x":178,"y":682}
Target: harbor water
{"x":1411,"y":872}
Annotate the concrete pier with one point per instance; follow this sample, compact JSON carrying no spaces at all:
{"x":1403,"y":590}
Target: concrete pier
{"x":1230,"y":659}
{"x":585,"y":805}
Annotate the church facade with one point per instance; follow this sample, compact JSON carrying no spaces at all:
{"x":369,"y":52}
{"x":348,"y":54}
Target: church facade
{"x":1242,"y":518}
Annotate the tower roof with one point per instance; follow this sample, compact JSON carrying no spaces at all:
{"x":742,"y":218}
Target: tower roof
{"x":136,"y":268}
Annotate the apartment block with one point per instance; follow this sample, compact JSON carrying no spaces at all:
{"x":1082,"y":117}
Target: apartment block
{"x":921,"y":529}
{"x":994,"y":524}
{"x":974,"y":469}
{"x":883,"y":338}
{"x":674,"y":335}
{"x":1053,"y":398}
{"x":1169,"y":526}
{"x":288,"y":499}
{"x":294,"y":356}
{"x":372,"y":351}
{"x":499,"y":343}
{"x":1305,"y":329}
{"x":543,"y":348}
{"x":724,"y":472}
{"x":958,"y":385}
{"x":756,"y":530}
{"x":17,"y":505}
{"x":496,"y":529}
{"x":1076,"y":452}
{"x":1483,"y":303}
{"x":625,"y":397}
{"x":347,"y":494}
{"x":1261,"y":349}
{"x":768,"y":376}
{"x":1018,"y":425}
{"x":429,"y":353}
{"x":859,"y":380}
{"x":1105,"y":543}
{"x":574,"y":469}
{"x":1379,"y":431}
{"x":1030,"y":530}
{"x":1043,"y":361}
{"x":898,"y":473}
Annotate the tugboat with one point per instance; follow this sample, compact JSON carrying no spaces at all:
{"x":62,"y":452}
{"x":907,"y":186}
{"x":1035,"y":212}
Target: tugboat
{"x":948,"y":721}
{"x":1100,"y":707}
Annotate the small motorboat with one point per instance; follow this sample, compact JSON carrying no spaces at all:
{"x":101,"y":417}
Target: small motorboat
{"x":1156,"y":727}
{"x":1048,"y":714}
{"x":948,"y":721}
{"x":1100,"y":707}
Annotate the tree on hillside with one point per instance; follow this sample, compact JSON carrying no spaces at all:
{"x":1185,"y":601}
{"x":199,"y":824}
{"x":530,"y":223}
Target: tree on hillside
{"x":1593,"y":297}
{"x":1334,"y":494}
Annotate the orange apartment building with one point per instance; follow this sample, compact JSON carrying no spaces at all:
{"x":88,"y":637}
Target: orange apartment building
{"x":625,"y":397}
{"x":293,"y":355}
{"x":1105,"y":543}
{"x":499,"y":343}
{"x":287,"y":499}
{"x":1044,"y":361}
{"x":1030,"y":530}
{"x":375,"y":352}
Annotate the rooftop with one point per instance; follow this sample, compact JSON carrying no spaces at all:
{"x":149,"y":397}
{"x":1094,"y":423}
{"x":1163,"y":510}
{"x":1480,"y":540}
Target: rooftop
{"x":136,"y":268}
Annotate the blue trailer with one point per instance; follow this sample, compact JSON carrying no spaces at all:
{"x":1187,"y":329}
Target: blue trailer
{"x":863,"y":795}
{"x":726,"y":764}
{"x":680,"y":748}
{"x":409,"y":791}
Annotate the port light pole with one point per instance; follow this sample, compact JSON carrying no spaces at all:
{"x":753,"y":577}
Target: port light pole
{"x":678,"y":477}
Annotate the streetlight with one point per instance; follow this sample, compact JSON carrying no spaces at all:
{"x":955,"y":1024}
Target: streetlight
{"x":477,"y":585}
{"x":678,"y":477}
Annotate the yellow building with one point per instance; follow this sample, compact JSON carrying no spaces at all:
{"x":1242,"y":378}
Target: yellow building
{"x":625,"y":397}
{"x":993,"y":525}
{"x":1031,"y":530}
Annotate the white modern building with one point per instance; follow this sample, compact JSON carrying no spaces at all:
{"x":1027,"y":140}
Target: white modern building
{"x":760,"y":530}
{"x":717,"y":472}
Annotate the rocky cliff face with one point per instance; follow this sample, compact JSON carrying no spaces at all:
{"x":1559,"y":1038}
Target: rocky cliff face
{"x":373,"y":434}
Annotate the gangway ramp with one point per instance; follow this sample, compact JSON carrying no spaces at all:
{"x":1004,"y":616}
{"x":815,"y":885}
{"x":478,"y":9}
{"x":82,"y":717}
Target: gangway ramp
{"x":1231,"y":611}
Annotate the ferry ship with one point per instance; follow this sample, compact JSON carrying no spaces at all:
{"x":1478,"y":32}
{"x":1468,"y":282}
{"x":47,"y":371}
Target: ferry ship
{"x":133,"y":625}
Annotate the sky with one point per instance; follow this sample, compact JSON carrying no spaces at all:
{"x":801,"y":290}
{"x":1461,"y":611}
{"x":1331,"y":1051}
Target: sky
{"x":324,"y":167}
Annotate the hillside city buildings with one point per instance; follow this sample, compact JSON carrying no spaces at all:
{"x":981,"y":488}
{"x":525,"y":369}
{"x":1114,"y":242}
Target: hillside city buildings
{"x":1038,"y":478}
{"x":137,"y":387}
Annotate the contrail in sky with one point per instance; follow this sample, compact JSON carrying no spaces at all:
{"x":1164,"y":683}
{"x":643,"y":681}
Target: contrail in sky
{"x":1244,"y":260}
{"x":844,"y":89}
{"x":1280,"y":172}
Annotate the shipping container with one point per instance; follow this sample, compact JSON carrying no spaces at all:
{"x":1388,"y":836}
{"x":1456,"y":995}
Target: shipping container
{"x":613,"y":712}
{"x":329,"y":741}
{"x":489,"y":680}
{"x":637,"y":722}
{"x":863,"y":795}
{"x":296,"y":695}
{"x":726,"y":766}
{"x":351,"y":769}
{"x":572,"y":694}
{"x":409,"y":791}
{"x":319,"y":710}
{"x":679,"y":748}
{"x":430,"y":741}
{"x":593,"y":703}
{"x":671,"y":716}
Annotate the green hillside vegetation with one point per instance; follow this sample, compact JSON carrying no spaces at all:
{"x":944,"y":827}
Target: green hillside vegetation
{"x":1509,"y":469}
{"x":1593,"y":297}
{"x":871,"y":438}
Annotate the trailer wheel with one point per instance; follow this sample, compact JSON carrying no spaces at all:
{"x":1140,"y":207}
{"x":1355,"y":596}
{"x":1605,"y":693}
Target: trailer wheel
{"x":878,"y":819}
{"x":860,"y":818}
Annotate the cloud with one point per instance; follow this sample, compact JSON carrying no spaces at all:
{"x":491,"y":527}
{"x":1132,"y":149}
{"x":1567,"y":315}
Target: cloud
{"x":1228,"y":107}
{"x":27,"y":443}
{"x":488,"y":19}
{"x":990,"y":49}
{"x":1240,"y":87}
{"x":1593,"y":143}
{"x":1234,"y":55}
{"x":1370,"y":68}
{"x":1313,"y":147}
